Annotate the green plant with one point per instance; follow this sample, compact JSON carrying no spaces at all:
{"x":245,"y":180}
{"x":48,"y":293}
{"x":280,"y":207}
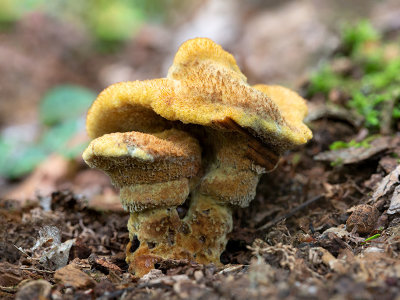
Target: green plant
{"x":375,"y":236}
{"x":323,"y":80}
{"x":366,"y":143}
{"x":376,"y":84}
{"x":355,"y":36}
{"x":61,"y":113}
{"x":343,"y":145}
{"x":64,"y":102}
{"x":109,"y":22}
{"x":368,"y":106}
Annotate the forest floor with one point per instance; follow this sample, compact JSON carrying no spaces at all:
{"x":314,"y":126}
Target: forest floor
{"x":324,"y":225}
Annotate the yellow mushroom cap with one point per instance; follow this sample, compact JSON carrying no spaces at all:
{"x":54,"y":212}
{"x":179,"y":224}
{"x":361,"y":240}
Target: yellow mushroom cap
{"x":292,"y":107}
{"x":152,"y":170}
{"x":127,"y":106}
{"x":204,"y":86}
{"x":139,"y":158}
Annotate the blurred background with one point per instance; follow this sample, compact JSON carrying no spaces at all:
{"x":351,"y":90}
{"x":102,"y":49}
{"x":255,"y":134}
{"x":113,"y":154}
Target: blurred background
{"x":56,"y":56}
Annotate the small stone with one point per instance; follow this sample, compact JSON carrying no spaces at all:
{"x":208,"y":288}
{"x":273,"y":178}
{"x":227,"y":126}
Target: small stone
{"x":363,"y":219}
{"x":198,"y":275}
{"x":37,"y":289}
{"x":69,"y":275}
{"x":153,"y":274}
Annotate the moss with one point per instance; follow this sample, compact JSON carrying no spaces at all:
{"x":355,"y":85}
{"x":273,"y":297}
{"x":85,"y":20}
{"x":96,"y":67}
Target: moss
{"x":374,"y":79}
{"x":354,"y":37}
{"x":366,"y":143}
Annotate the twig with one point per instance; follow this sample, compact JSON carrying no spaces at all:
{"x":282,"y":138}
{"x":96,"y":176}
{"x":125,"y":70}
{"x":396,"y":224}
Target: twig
{"x":22,"y":251}
{"x":8,"y":289}
{"x":290,"y":213}
{"x":37,"y":270}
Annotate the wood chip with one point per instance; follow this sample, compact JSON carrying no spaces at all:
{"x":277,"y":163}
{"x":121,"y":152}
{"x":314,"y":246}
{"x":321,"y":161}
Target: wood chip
{"x":69,"y":275}
{"x":335,"y":264}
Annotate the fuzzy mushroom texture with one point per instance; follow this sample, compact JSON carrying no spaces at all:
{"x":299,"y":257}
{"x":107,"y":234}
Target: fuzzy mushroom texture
{"x":222,"y":134}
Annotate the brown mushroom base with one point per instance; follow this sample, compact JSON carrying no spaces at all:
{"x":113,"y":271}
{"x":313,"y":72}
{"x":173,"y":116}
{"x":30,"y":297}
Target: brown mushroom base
{"x":159,"y":234}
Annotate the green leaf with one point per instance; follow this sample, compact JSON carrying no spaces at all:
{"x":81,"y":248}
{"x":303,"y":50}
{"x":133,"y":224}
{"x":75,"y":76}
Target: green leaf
{"x":323,"y":80}
{"x":65,"y":102}
{"x":57,"y":137}
{"x":17,"y":160}
{"x":375,"y":236}
{"x":115,"y":20}
{"x":354,"y":36}
{"x":72,"y":152}
{"x":366,"y":143}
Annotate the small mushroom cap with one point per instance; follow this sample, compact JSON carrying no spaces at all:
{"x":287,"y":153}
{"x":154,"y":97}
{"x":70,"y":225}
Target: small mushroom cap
{"x":204,"y":86}
{"x":137,"y":158}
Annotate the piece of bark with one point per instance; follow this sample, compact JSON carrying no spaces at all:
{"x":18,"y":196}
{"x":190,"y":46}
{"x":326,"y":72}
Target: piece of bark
{"x":69,"y":275}
{"x":103,"y":265}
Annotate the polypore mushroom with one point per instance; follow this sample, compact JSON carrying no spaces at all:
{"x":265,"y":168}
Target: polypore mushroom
{"x":201,"y":135}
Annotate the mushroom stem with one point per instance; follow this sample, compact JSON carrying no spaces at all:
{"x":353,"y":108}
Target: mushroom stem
{"x":152,"y":235}
{"x":230,"y":179}
{"x":209,"y":223}
{"x":158,"y":234}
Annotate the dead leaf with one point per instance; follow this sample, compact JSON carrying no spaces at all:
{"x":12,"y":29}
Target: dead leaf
{"x":321,"y":110}
{"x":354,"y":155}
{"x":388,"y":163}
{"x":9,"y":279}
{"x":395,"y":202}
{"x":389,"y":186}
{"x":43,"y":180}
{"x":108,"y":201}
{"x":53,"y":254}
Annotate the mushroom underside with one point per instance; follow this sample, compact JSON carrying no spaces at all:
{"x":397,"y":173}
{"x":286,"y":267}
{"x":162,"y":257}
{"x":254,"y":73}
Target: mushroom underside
{"x":211,"y":172}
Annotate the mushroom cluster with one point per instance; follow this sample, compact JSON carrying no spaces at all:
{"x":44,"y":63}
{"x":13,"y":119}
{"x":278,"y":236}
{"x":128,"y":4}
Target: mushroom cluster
{"x":185,"y":149}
